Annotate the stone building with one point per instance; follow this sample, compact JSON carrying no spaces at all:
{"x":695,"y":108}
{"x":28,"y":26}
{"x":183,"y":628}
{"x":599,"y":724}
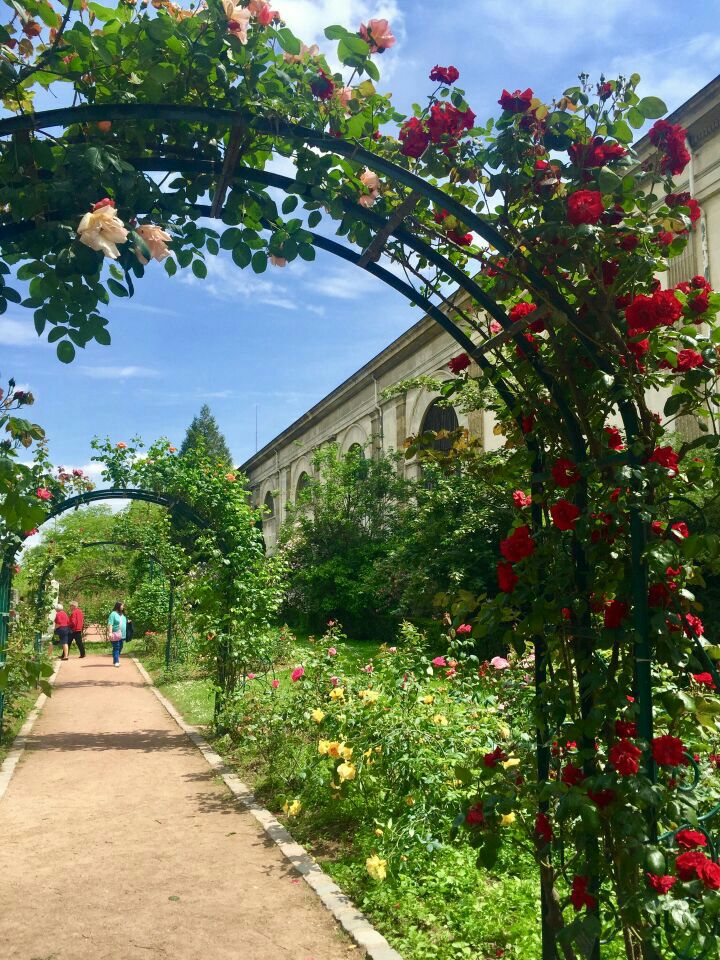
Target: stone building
{"x":355,"y":412}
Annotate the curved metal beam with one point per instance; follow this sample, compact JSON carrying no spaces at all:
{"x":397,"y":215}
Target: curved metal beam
{"x":128,"y":493}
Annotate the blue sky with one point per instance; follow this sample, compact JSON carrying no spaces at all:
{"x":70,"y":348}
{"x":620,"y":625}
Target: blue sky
{"x":283,"y":340}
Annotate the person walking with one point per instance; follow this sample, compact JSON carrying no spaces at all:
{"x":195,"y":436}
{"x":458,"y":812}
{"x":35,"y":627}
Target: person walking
{"x":117,"y":628}
{"x":77,"y":621}
{"x":62,"y":629}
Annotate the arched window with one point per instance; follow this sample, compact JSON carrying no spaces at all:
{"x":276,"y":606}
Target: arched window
{"x":440,"y":418}
{"x":357,"y":449}
{"x":303,"y":482}
{"x":269,"y":503}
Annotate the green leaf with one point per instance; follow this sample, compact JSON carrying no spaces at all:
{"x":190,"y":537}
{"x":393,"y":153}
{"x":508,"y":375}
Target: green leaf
{"x":356,"y":45}
{"x":103,"y":337}
{"x":621,"y":131}
{"x":288,"y":41}
{"x":673,"y":404}
{"x":336,"y":32}
{"x":231,"y":238}
{"x":635,"y":118}
{"x":306,"y":251}
{"x":117,"y":288}
{"x":651,"y":108}
{"x":57,"y":333}
{"x":314,"y":219}
{"x":372,"y":70}
{"x":199,"y":268}
{"x":259,"y":261}
{"x":289,"y":204}
{"x":242,"y":255}
{"x":65,"y":352}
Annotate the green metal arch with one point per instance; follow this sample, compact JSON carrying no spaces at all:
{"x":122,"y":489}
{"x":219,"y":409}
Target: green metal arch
{"x":129,"y":493}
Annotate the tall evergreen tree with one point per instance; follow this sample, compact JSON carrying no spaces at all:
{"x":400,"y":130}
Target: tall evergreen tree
{"x":204,"y":431}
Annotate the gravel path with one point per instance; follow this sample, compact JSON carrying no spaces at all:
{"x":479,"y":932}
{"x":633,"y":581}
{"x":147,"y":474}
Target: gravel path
{"x":118,"y":843}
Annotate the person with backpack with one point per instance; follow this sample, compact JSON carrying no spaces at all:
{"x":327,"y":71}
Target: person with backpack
{"x":117,"y":628}
{"x":77,"y":621}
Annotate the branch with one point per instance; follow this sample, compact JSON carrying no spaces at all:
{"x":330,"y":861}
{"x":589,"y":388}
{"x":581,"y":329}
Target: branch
{"x":373,"y":251}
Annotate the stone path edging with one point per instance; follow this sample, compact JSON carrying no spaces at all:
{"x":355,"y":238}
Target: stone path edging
{"x":18,"y":747}
{"x":339,"y":905}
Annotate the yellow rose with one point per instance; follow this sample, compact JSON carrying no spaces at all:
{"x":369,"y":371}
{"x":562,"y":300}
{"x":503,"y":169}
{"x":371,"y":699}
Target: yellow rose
{"x":292,"y":809}
{"x":337,"y":693}
{"x":507,"y":820}
{"x":369,"y":696}
{"x":378,"y":832}
{"x":324,"y":747}
{"x":410,"y":801}
{"x":504,"y":731}
{"x":376,"y":867}
{"x":346,"y":771}
{"x":317,"y":715}
{"x":428,"y":699}
{"x":440,"y":720}
{"x":334,"y":749}
{"x":346,"y":752}
{"x":512,"y":762}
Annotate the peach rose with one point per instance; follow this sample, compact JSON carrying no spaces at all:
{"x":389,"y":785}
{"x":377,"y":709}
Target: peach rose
{"x":156,"y":239}
{"x":102,"y":230}
{"x":378,"y":34}
{"x":238,"y":19}
{"x":277,"y":261}
{"x":305,"y":51}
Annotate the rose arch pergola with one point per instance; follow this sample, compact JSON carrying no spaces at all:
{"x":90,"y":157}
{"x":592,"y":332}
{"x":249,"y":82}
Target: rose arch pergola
{"x":551,"y":264}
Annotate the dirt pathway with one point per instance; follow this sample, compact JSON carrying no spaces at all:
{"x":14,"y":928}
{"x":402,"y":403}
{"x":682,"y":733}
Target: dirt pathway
{"x":117,"y":843}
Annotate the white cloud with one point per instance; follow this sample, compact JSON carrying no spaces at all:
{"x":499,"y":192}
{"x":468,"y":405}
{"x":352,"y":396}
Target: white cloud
{"x":674,"y":72}
{"x":225,"y":281}
{"x":19,"y":333}
{"x":527,"y":29}
{"x":146,"y":308}
{"x":308,"y":18}
{"x":350,"y":284}
{"x":110,"y":372}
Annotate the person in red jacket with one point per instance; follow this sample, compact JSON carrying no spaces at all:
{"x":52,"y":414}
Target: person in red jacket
{"x":77,"y":620}
{"x":62,"y":629}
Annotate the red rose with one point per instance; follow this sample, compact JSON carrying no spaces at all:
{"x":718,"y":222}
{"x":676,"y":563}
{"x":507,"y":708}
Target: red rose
{"x":625,"y":729}
{"x":681,"y":529}
{"x":459,"y":363}
{"x":704,"y":679}
{"x":629,"y":242}
{"x":414,"y":138}
{"x":693,"y":626}
{"x":688,"y":359}
{"x":518,"y":545}
{"x":564,"y":514}
{"x":690,"y":839}
{"x":666,"y":457}
{"x":687,"y":864}
{"x":498,"y":755}
{"x":615,"y":612}
{"x":323,"y":85}
{"x":623,"y":757}
{"x":579,"y":896}
{"x":685,"y":200}
{"x":543,"y":828}
{"x":475,"y":816}
{"x":572,"y":775}
{"x":661,"y":884}
{"x":521,"y":499}
{"x":602,"y":798}
{"x":605,"y":90}
{"x":565,"y":473}
{"x":700,"y":302}
{"x":447,"y":121}
{"x":668,"y":751}
{"x":461,"y":239}
{"x":709,"y":873}
{"x":596,"y":153}
{"x":584,"y":206}
{"x":659,"y":594}
{"x":670,"y":137}
{"x":516,"y":102}
{"x":638,"y":348}
{"x":521,"y":310}
{"x":507,"y":578}
{"x":105,"y":202}
{"x":446,"y":75}
{"x":613,"y":438}
{"x":644,"y":314}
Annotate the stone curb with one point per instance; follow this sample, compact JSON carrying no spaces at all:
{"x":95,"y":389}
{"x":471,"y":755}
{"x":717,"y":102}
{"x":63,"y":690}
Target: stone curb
{"x":18,"y":748}
{"x":338,"y":903}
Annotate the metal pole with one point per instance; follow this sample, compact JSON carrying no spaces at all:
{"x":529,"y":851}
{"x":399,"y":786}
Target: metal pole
{"x":5,"y":578}
{"x":168,"y":644}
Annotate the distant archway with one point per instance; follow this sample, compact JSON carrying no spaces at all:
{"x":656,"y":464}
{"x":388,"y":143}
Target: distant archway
{"x":440,"y":419}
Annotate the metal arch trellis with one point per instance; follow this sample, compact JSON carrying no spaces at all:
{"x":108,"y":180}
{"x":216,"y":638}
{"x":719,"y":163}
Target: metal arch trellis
{"x":173,"y":504}
{"x":276,"y":126}
{"x":39,"y":600}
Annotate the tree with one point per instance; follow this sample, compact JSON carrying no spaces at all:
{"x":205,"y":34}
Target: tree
{"x":204,"y":431}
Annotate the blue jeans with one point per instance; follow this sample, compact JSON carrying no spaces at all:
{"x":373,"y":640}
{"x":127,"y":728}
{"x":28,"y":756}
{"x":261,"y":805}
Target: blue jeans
{"x":117,"y":646}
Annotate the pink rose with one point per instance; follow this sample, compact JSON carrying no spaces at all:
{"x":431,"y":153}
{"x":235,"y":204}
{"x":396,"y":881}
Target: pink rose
{"x":464,"y":628}
{"x":297,"y":673}
{"x":392,"y":649}
{"x":500,"y":663}
{"x":332,"y":652}
{"x":42,"y":493}
{"x":378,"y":34}
{"x":439,"y":662}
{"x":368,"y":668}
{"x":275,"y":684}
{"x":334,"y":681}
{"x":251,"y":676}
